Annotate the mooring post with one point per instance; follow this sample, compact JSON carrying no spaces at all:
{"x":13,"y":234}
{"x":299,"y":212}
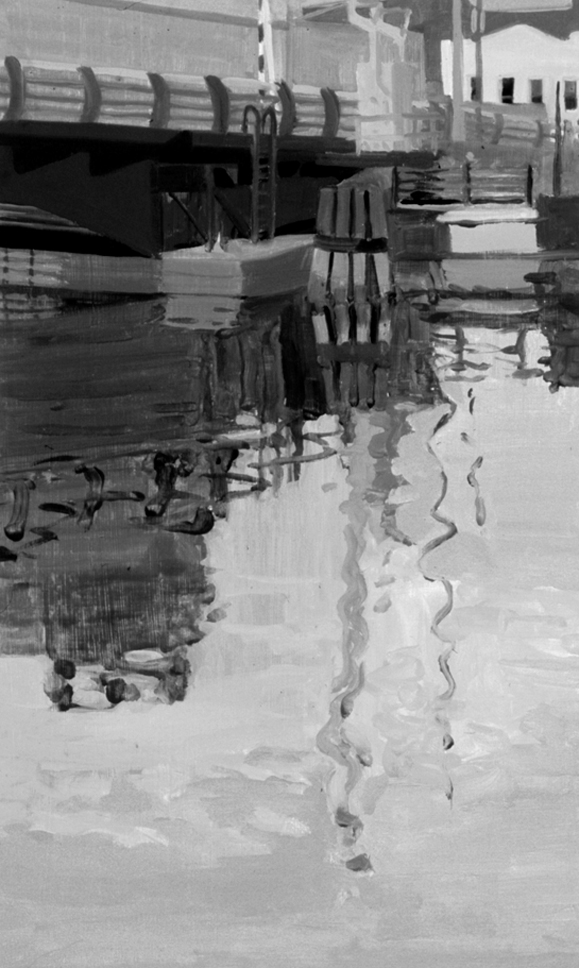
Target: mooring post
{"x":558,"y":159}
{"x":210,"y":199}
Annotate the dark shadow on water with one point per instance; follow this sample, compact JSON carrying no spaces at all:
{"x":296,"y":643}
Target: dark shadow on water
{"x":116,"y":463}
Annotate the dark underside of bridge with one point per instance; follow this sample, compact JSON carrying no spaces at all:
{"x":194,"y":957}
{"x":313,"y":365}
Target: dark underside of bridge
{"x":139,"y":191}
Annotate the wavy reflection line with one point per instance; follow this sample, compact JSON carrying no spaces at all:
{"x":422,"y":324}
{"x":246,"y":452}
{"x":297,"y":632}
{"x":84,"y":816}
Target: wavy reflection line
{"x":479,"y":504}
{"x":450,"y":531}
{"x":350,"y":681}
{"x":326,"y":451}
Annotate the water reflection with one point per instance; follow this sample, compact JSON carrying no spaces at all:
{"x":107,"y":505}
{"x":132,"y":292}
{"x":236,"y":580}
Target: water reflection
{"x":121,"y":443}
{"x":358,"y":566}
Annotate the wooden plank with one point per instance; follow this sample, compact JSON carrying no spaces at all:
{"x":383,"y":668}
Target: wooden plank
{"x":326,"y":213}
{"x":348,"y":384}
{"x":365,"y":379}
{"x":363,"y":321}
{"x":320,"y":328}
{"x":342,"y":322}
{"x":329,"y":379}
{"x":383,"y":275}
{"x":385,"y":323}
{"x":359,"y":274}
{"x":340,"y":278}
{"x":377,"y":213}
{"x":318,"y":281}
{"x":381,"y":388}
{"x":359,"y":226}
{"x":343,"y":211}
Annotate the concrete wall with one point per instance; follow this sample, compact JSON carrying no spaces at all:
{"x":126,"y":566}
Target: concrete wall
{"x":192,"y":37}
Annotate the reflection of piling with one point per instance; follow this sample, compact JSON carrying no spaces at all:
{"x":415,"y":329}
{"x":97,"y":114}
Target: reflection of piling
{"x":370,"y":344}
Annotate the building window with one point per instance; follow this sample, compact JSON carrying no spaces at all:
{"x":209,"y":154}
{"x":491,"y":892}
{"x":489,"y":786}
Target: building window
{"x":570,"y":95}
{"x":475,"y":86}
{"x":536,"y":91}
{"x":507,"y":90}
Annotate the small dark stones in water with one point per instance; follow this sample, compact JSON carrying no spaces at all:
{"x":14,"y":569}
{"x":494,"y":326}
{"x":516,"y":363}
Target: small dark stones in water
{"x":202,"y":523}
{"x":66,"y":698}
{"x":360,"y":864}
{"x":364,"y":757}
{"x":217,"y":615}
{"x":115,"y":690}
{"x":54,"y":687}
{"x":541,"y":278}
{"x":55,"y":508}
{"x":347,"y":706}
{"x":6,"y":554}
{"x":62,"y":458}
{"x":344,"y":818}
{"x":132,"y":693}
{"x":172,"y":689}
{"x":65,"y":668}
{"x":180,"y":666}
{"x":352,"y":824}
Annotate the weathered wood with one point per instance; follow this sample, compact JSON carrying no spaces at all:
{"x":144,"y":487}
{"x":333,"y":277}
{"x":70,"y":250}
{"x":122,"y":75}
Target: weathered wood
{"x":343,"y":211}
{"x":326,"y":224}
{"x":359,"y":225}
{"x":320,"y":328}
{"x":318,"y":282}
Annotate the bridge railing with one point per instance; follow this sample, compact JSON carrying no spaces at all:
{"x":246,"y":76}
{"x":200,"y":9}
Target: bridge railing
{"x":45,"y":92}
{"x":507,"y":124}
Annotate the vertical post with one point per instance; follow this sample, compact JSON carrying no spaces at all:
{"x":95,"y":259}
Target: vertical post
{"x":269,"y":114}
{"x":251,"y":110}
{"x":268,"y":47}
{"x":458,"y":127}
{"x":530,"y":186}
{"x":479,"y":17}
{"x":480,"y":26}
{"x":210,"y":198}
{"x":558,"y":159}
{"x":466,"y":184}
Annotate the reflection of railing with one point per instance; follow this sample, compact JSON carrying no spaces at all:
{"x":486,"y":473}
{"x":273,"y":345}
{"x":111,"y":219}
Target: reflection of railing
{"x":428,"y":127}
{"x":513,"y":124}
{"x":462,"y":184}
{"x":30,"y":92}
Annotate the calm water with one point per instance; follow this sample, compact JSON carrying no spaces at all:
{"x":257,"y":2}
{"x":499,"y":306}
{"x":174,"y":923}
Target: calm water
{"x":376,"y":751}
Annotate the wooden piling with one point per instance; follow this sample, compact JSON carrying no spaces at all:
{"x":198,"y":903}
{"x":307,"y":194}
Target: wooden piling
{"x":367,"y":346}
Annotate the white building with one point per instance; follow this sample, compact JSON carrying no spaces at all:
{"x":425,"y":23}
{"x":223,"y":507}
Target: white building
{"x":364,"y":53}
{"x":521,"y":65}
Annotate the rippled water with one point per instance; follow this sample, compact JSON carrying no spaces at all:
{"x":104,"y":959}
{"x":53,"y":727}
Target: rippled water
{"x":375,"y":756}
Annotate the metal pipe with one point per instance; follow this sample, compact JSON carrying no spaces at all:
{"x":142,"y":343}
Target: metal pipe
{"x":251,"y":110}
{"x":270,"y":115}
{"x":458,"y":126}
